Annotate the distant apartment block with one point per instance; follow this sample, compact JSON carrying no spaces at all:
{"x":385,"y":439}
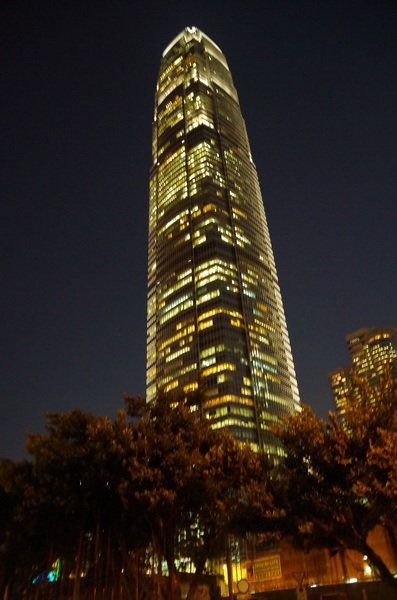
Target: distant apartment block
{"x":371,"y":350}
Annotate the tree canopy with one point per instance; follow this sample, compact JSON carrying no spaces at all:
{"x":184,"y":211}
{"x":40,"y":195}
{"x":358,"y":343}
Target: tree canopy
{"x":117,"y":500}
{"x":119,"y":508}
{"x":338,"y":480}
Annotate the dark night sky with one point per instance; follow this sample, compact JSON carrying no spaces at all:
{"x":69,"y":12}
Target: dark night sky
{"x":318,"y":90}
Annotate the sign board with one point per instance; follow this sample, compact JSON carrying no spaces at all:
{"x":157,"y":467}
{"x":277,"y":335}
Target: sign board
{"x":243,"y":586}
{"x":267,"y":567}
{"x":299,"y":577}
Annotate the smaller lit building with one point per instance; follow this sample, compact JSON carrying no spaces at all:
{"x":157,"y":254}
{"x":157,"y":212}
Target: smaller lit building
{"x":371,"y":349}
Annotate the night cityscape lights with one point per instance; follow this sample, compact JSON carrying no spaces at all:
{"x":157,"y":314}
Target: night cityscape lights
{"x":214,"y":303}
{"x":371,"y":350}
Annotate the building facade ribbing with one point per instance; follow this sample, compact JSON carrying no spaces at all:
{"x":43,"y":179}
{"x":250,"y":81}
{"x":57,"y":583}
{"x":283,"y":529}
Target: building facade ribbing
{"x":214,"y":303}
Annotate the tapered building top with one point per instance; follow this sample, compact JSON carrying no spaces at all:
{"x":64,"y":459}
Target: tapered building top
{"x":214,"y":303}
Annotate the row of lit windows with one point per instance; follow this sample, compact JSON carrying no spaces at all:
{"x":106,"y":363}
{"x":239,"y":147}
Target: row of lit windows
{"x":173,"y":67}
{"x":236,"y":212}
{"x":165,"y":308}
{"x":182,"y":217}
{"x":178,"y":154}
{"x":219,"y":310}
{"x":259,"y":327}
{"x":172,"y":114}
{"x":205,"y":324}
{"x":207,"y":362}
{"x":188,"y":279}
{"x":230,"y":422}
{"x":199,"y":240}
{"x":172,"y":177}
{"x":152,"y":373}
{"x":169,"y":87}
{"x":210,"y":278}
{"x":176,"y":354}
{"x":171,"y":386}
{"x":174,"y":193}
{"x":173,"y":378}
{"x":224,"y":410}
{"x":258,"y":337}
{"x":379,"y":336}
{"x":219,"y":368}
{"x":213,"y":274}
{"x":228,"y":398}
{"x":241,"y":239}
{"x":204,"y":168}
{"x":201,"y":119}
{"x":187,"y":304}
{"x":178,"y":217}
{"x":181,"y":334}
{"x":215,"y":266}
{"x":212,"y":350}
{"x":209,"y":296}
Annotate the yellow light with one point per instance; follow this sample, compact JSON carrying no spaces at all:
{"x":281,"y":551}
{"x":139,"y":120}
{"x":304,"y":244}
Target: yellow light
{"x":219,"y":368}
{"x":205,"y":324}
{"x":171,"y":386}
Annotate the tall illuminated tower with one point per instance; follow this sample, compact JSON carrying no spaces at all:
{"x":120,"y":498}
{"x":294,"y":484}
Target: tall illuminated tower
{"x":214,"y":302}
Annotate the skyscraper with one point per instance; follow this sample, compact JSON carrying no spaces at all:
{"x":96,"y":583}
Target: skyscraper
{"x":214,"y":303}
{"x":371,"y":349}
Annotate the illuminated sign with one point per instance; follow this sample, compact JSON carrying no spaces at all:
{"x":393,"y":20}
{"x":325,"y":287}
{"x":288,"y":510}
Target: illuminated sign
{"x":268,"y":567}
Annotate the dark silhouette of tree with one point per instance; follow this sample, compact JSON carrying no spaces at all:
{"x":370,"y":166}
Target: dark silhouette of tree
{"x":194,"y":483}
{"x":338,"y":480}
{"x":116,"y":500}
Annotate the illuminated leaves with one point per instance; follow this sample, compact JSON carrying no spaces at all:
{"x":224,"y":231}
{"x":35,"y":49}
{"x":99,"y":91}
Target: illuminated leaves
{"x":339,"y":479}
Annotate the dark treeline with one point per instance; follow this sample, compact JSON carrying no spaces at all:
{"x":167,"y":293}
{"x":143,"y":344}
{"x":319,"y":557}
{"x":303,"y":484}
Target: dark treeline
{"x":118,"y":510}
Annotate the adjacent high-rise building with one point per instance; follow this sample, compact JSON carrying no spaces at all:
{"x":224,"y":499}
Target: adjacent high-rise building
{"x":214,"y":303}
{"x":371,"y":350}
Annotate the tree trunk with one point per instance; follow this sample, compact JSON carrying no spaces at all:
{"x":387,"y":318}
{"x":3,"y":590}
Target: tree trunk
{"x":380,"y":568}
{"x":125,"y":580}
{"x":391,"y":535}
{"x":229,"y":571}
{"x":77,"y":574}
{"x":6,"y":577}
{"x":199,"y":566}
{"x":108,"y":560}
{"x":135,"y":567}
{"x":95,"y":559}
{"x":174,"y":587}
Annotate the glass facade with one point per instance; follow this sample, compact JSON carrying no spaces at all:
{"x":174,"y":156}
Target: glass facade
{"x":371,"y":349}
{"x":214,"y":303}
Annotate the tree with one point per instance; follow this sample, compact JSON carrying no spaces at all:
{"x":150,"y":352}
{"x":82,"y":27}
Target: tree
{"x":115,"y":500}
{"x":80,"y":468}
{"x":15,"y":526}
{"x":195,"y":484}
{"x":339,"y":479}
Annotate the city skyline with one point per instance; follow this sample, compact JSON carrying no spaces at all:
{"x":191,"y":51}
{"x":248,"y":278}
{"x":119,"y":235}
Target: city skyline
{"x":317,"y":89}
{"x":214,"y":304}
